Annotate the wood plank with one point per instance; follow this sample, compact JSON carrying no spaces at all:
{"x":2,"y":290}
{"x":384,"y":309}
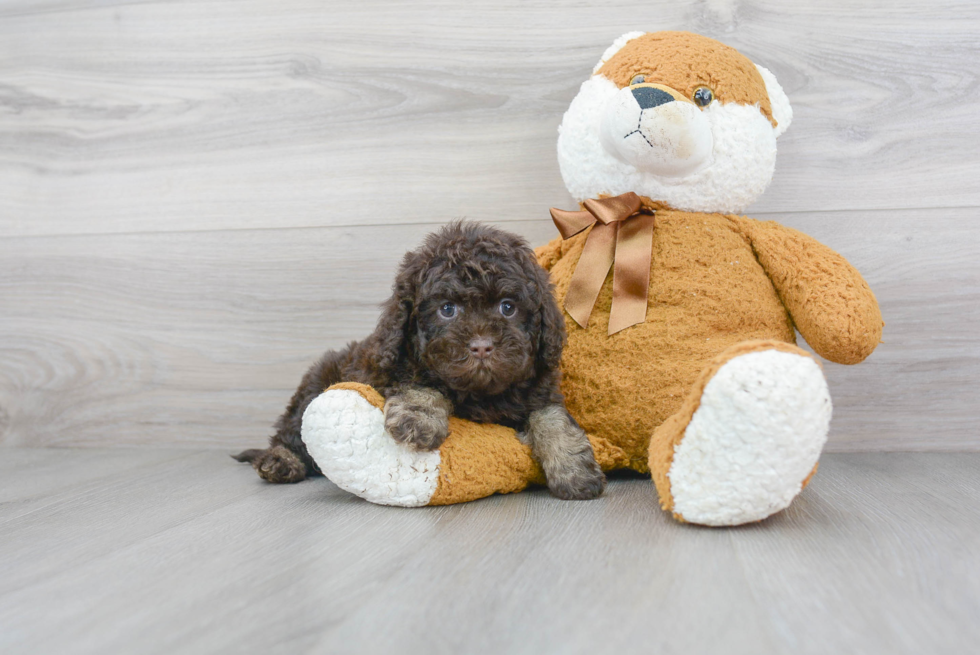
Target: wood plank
{"x":199,"y":338}
{"x":896,"y":527}
{"x":200,"y":556}
{"x":548,"y":574}
{"x":34,"y":478}
{"x":159,"y":116}
{"x":102,"y":516}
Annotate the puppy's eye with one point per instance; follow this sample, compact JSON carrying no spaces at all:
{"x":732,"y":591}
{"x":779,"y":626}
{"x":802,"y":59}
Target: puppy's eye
{"x":448,"y":310}
{"x":638,"y":79}
{"x":508,"y":308}
{"x":703,"y":96}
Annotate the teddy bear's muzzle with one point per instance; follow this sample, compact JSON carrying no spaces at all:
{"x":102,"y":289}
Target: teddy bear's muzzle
{"x":657,"y":130}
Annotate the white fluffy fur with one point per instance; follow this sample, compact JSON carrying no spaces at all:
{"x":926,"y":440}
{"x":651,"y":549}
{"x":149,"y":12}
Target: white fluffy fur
{"x":782,"y":111}
{"x":670,"y":140}
{"x":345,"y":435}
{"x":744,"y":157}
{"x":616,"y":46}
{"x":757,"y":434}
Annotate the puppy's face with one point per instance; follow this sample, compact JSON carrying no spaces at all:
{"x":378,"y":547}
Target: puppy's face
{"x":476,"y":333}
{"x":473,"y":309}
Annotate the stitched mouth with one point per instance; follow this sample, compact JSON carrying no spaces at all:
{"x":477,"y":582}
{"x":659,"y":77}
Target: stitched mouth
{"x":639,"y":129}
{"x":671,"y":139}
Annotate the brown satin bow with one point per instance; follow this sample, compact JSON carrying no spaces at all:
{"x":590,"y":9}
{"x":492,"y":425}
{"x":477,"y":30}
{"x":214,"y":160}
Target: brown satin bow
{"x":622,"y":233}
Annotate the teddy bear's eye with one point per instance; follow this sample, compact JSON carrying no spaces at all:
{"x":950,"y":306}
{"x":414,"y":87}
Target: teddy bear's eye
{"x":703,"y":96}
{"x":637,"y":79}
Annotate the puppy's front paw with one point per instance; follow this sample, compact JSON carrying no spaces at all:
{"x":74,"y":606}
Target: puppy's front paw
{"x":424,"y":425}
{"x":565,"y":454}
{"x":416,"y":428}
{"x":579,"y":478}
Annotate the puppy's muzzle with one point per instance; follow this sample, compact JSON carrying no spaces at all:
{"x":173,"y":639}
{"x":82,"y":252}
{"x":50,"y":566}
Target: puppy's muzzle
{"x":481,"y":347}
{"x":656,"y":129}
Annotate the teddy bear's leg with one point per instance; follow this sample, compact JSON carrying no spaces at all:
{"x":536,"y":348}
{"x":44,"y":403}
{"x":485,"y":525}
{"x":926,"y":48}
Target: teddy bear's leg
{"x":343,"y":429}
{"x":747,"y":438}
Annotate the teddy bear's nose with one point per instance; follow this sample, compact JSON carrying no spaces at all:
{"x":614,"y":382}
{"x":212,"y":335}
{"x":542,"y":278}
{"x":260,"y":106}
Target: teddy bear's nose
{"x":648,"y":97}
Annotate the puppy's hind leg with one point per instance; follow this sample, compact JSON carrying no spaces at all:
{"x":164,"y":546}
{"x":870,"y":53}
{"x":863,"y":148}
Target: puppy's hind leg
{"x":565,"y":454}
{"x":286,"y":460}
{"x":276,"y":464}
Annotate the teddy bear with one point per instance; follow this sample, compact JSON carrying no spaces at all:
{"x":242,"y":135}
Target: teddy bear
{"x":681,"y":360}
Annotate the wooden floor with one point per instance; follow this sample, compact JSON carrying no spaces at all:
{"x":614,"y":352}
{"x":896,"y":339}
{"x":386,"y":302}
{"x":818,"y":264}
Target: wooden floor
{"x":164,"y":551}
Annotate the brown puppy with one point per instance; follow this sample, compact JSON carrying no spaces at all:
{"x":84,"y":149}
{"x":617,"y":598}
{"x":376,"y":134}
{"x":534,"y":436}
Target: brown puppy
{"x":471,"y":330}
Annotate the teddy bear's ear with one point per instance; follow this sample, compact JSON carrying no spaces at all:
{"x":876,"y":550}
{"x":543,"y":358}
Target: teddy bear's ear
{"x":781,"y":109}
{"x":615,"y":47}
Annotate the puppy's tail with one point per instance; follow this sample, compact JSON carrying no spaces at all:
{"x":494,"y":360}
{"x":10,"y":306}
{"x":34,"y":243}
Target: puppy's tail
{"x":248,"y":455}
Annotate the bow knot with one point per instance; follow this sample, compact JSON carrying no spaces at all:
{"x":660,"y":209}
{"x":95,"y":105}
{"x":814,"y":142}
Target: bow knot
{"x":622,"y":233}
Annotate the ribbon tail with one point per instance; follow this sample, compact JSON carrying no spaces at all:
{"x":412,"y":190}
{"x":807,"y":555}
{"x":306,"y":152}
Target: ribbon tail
{"x":631,"y":276}
{"x":590,"y":274}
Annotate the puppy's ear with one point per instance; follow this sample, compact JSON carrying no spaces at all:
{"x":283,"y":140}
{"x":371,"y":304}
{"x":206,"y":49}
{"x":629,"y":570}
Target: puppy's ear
{"x":551,"y":328}
{"x":392,"y":335}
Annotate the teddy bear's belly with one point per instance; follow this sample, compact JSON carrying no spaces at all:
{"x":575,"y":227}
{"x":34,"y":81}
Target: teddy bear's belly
{"x":707,"y":292}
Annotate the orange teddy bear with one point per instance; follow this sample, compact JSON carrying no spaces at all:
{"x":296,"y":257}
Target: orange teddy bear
{"x":681,"y":358}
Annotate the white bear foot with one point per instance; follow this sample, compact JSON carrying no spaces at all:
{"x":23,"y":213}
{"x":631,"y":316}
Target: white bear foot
{"x":755,"y":437}
{"x":345,"y":435}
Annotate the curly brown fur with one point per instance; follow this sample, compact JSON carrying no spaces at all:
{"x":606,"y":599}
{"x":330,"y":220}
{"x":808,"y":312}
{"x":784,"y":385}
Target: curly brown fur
{"x":565,"y":454}
{"x":471,"y":329}
{"x":418,"y":416}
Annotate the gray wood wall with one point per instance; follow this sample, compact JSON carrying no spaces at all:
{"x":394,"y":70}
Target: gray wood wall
{"x":183,"y":223}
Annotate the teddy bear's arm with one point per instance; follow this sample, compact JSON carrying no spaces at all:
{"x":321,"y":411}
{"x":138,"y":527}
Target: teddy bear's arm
{"x":549,"y":253}
{"x":831,"y":304}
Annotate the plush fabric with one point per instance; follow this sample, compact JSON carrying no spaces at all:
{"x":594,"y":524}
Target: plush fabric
{"x":715,"y":281}
{"x":344,"y":431}
{"x":741,"y":119}
{"x":685,"y":61}
{"x":672,"y":432}
{"x":709,"y":394}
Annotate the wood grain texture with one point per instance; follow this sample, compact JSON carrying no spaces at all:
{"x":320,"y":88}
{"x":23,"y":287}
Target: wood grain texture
{"x":159,"y":116}
{"x":192,"y":553}
{"x":198,"y":198}
{"x":200,"y":338}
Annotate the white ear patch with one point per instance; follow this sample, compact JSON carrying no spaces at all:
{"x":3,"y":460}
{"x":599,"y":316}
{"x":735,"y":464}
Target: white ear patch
{"x":781,"y":109}
{"x":616,"y":47}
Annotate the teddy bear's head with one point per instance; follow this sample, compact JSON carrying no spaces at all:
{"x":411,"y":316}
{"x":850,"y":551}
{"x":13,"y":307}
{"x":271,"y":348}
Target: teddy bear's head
{"x":676,"y":117}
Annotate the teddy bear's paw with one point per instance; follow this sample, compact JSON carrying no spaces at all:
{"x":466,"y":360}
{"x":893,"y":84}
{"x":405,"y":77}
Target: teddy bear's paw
{"x":345,"y":435}
{"x":756,"y":435}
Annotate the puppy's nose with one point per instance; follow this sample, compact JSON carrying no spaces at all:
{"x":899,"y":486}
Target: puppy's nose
{"x":648,"y":97}
{"x":481,"y":347}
